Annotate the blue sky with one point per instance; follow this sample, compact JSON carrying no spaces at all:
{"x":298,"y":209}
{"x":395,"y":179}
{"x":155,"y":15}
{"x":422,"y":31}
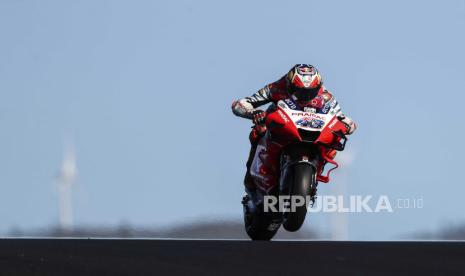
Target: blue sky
{"x":144,"y":89}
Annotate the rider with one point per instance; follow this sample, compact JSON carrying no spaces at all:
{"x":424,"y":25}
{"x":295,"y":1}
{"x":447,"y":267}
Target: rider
{"x":303,"y":83}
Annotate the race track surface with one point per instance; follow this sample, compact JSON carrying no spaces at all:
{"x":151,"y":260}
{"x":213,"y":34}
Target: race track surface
{"x":228,"y":257}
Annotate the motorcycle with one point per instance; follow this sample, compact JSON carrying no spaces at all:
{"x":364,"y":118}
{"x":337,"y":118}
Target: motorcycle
{"x":304,"y":142}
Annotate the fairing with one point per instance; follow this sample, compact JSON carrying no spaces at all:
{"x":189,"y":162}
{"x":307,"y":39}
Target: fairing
{"x":289,"y":126}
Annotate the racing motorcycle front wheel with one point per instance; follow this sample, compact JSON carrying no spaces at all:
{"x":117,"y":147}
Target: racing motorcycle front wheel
{"x":300,"y":182}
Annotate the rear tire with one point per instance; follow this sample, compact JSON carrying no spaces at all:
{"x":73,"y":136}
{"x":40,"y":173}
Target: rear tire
{"x":258,"y":224}
{"x":301,"y":180}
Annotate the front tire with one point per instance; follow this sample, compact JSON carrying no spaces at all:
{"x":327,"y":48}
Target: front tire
{"x":301,"y":180}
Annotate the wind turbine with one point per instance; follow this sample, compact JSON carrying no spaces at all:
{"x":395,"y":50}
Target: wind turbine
{"x":66,"y":179}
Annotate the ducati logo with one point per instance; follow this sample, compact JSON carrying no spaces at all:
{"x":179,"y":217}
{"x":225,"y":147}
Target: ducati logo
{"x":283,"y":116}
{"x":333,"y":123}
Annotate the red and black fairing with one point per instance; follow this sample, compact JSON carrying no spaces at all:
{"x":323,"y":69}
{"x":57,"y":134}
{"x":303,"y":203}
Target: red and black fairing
{"x":286,"y":144}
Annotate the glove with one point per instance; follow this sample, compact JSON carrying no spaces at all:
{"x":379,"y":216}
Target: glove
{"x":348,"y":123}
{"x":259,"y":117}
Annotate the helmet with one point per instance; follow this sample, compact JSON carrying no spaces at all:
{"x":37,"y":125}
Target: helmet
{"x":304,"y":82}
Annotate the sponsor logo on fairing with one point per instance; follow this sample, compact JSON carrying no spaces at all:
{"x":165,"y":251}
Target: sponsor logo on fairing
{"x":309,"y":122}
{"x":290,"y":103}
{"x":332,"y":123}
{"x":325,"y":109}
{"x":286,"y":120}
{"x":282,"y":105}
{"x":328,"y":106}
{"x":310,"y":109}
{"x":308,"y":114}
{"x":333,"y":104}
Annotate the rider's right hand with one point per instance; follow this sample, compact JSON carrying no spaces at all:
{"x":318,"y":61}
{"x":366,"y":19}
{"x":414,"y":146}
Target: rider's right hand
{"x":259,"y":117}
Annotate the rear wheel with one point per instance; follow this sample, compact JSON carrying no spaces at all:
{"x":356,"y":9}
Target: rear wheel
{"x":258,"y":224}
{"x":300,"y":180}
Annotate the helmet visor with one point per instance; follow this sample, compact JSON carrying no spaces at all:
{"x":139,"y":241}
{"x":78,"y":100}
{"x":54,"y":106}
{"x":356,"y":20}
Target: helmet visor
{"x":305,"y":94}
